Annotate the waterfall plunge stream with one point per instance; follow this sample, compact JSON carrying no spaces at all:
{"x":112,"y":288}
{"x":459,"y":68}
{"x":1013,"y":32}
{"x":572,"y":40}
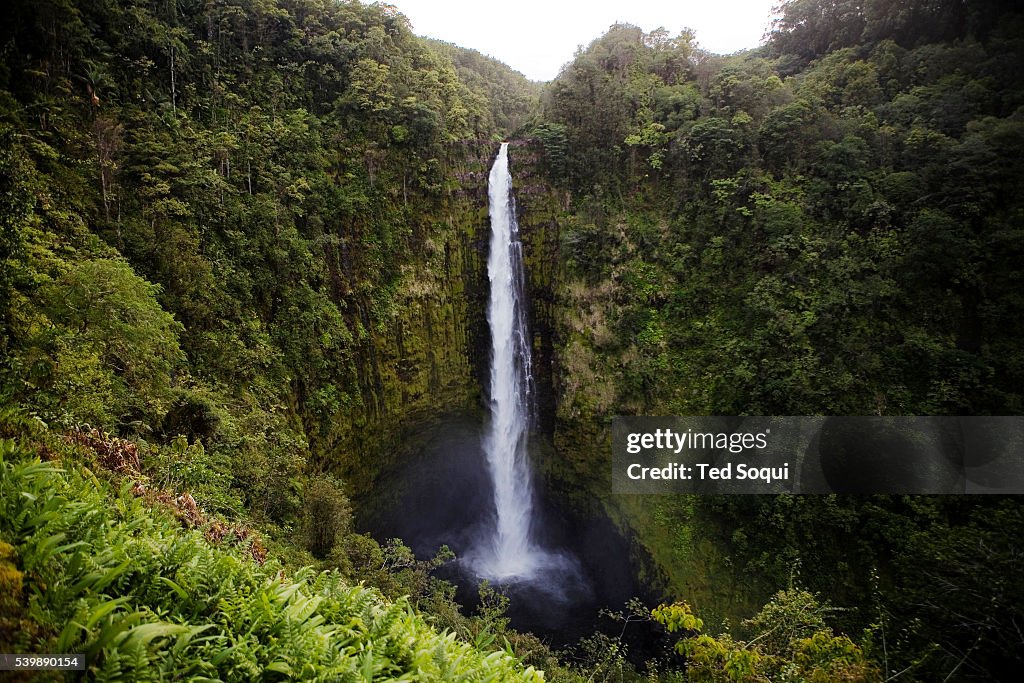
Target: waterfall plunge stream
{"x":512,"y":554}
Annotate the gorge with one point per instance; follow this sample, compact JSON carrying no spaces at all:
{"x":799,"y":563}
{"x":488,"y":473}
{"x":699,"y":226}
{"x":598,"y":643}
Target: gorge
{"x":476,"y":495}
{"x":273,"y":332}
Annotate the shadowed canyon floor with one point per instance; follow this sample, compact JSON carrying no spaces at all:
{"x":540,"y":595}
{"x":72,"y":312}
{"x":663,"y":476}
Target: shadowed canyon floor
{"x":443,"y":496}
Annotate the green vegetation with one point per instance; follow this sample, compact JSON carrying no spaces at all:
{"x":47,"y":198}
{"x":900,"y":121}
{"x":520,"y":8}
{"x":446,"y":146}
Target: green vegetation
{"x":234,"y":236}
{"x":241,"y":268}
{"x":791,"y":643}
{"x":512,"y":99}
{"x":844,"y":241}
{"x":828,"y":225}
{"x":97,"y":572}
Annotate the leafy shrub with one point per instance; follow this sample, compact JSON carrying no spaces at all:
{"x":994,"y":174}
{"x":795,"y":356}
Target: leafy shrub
{"x":791,"y":643}
{"x":327,"y":515}
{"x":193,"y":415}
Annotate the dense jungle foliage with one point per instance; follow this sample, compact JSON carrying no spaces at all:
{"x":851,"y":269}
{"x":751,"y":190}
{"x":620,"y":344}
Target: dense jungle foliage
{"x":238,"y":255}
{"x":830,"y":224}
{"x":213,"y":215}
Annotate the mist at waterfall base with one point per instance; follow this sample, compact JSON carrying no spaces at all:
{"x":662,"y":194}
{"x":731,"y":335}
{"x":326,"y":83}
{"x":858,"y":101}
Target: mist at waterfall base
{"x":443,"y":495}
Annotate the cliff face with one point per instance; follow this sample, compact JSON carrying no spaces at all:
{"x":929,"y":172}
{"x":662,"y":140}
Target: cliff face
{"x":576,"y":378}
{"x":429,"y":362}
{"x":431,"y":358}
{"x":540,"y":208}
{"x":427,"y":357}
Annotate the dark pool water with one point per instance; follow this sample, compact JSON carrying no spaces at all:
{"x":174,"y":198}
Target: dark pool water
{"x":442,"y":495}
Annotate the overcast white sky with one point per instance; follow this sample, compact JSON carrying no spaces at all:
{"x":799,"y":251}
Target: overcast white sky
{"x":537,"y":37}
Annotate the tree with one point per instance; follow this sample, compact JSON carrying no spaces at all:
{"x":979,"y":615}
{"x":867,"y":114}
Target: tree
{"x":111,"y":313}
{"x":791,"y":643}
{"x":327,"y":514}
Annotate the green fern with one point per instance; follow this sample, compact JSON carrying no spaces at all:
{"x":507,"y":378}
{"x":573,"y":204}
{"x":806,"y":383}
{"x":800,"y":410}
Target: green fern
{"x":146,"y":600}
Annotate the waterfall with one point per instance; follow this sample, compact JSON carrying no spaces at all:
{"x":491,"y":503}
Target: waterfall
{"x":511,"y":553}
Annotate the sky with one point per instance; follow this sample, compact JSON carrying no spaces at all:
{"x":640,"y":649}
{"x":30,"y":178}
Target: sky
{"x":537,"y":37}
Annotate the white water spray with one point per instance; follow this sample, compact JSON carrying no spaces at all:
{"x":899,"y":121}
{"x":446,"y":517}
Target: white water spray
{"x":511,"y":554}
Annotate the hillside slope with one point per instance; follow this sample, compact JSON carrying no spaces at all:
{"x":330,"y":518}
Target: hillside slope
{"x":829,"y":225}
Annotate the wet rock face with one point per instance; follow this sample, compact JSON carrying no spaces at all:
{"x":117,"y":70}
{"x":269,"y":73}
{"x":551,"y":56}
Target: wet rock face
{"x":539,"y":208}
{"x":428,"y":475}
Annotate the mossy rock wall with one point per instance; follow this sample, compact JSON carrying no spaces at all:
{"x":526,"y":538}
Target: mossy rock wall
{"x":430,"y":358}
{"x":540,"y":208}
{"x":426,"y":357}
